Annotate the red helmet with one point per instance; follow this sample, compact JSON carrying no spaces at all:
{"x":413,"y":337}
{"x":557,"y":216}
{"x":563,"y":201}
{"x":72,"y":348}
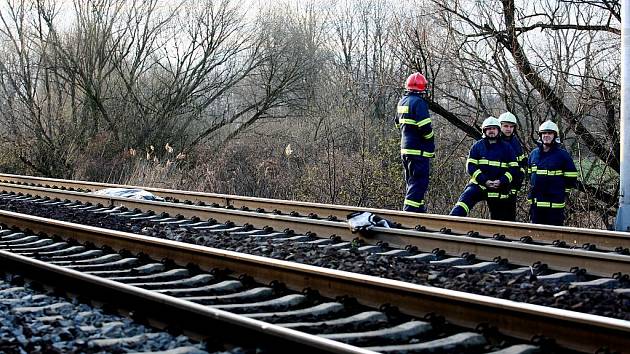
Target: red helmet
{"x":416,"y":82}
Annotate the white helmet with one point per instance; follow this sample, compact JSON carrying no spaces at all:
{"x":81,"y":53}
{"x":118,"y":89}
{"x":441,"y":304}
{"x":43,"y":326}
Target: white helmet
{"x":490,"y":122}
{"x":549,"y":126}
{"x":507,"y":117}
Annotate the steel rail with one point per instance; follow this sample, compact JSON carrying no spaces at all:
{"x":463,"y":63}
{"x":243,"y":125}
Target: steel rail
{"x":572,"y":330}
{"x":573,"y":236}
{"x":188,"y":312}
{"x":603,"y":264}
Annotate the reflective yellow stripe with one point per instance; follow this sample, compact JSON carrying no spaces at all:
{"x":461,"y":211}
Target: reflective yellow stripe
{"x":474,"y":176}
{"x":551,"y":173}
{"x":546,"y":204}
{"x":513,"y":164}
{"x":417,"y":152}
{"x":407,"y":121}
{"x":492,"y":163}
{"x":472,"y":161}
{"x":429,"y":136}
{"x":424,"y":122}
{"x":509,"y":176}
{"x":567,"y":190}
{"x":464,"y":206}
{"x":521,"y":158}
{"x":414,"y":204}
{"x":513,"y":191}
{"x":403,"y":109}
{"x":498,"y":195}
{"x":412,"y":121}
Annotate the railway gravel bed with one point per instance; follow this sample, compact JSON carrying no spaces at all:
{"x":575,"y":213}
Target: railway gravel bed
{"x":37,"y":322}
{"x":536,"y":285}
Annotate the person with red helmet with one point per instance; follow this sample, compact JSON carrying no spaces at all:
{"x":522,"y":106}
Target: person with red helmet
{"x":417,"y":145}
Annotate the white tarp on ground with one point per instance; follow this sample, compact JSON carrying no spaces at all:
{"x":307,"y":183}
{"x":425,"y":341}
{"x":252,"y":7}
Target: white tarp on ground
{"x":134,"y":193}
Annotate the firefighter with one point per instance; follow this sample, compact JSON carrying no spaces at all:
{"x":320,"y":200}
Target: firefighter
{"x":492,"y":166}
{"x":552,"y":175}
{"x":508,"y":134}
{"x":416,"y":143}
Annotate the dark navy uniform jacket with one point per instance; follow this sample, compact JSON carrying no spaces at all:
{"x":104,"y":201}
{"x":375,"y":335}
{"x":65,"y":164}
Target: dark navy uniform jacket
{"x":488,"y":161}
{"x":521,"y":158}
{"x":415,"y":126}
{"x":552,"y":175}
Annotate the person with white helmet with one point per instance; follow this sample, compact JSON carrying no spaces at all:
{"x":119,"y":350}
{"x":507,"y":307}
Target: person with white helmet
{"x":417,"y":146}
{"x":492,"y":166}
{"x":552,"y":175}
{"x":508,"y":134}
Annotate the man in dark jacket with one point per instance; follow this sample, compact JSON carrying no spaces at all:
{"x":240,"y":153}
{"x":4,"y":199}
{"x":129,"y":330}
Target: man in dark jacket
{"x":552,"y":175}
{"x":492,"y":166}
{"x":508,"y":134}
{"x":416,"y":143}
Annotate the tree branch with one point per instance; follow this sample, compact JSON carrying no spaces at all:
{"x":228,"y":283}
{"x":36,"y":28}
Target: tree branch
{"x":510,"y":41}
{"x":453,"y":119}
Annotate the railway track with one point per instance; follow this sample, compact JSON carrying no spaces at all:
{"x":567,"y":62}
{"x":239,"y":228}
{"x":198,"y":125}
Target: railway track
{"x":595,"y":260}
{"x":267,"y":297}
{"x":606,"y":240}
{"x":522,"y":251}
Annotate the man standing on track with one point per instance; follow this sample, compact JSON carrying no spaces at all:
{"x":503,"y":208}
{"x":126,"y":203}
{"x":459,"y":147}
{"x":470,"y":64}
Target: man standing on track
{"x":417,"y":146}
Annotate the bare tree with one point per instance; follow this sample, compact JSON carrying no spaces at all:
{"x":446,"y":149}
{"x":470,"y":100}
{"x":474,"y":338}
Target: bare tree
{"x":139,"y":74}
{"x":35,"y":98}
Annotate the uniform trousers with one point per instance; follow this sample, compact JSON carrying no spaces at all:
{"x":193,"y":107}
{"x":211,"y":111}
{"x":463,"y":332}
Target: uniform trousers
{"x":472,"y":195}
{"x":509,"y":208}
{"x":417,"y":179}
{"x":546,"y":215}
